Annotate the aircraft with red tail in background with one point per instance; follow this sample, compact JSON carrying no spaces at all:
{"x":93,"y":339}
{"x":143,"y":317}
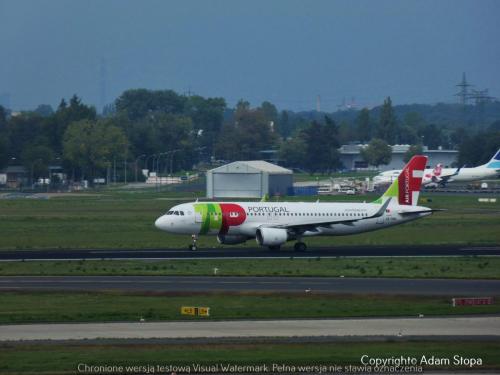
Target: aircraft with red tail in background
{"x":274,"y":223}
{"x":440,"y":176}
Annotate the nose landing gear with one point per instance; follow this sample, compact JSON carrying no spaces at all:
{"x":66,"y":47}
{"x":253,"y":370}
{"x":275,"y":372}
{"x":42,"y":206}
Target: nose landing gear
{"x":193,"y":246}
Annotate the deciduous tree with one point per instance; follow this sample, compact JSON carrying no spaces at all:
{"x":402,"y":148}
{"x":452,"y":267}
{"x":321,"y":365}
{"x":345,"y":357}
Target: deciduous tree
{"x":91,"y":146}
{"x":378,"y":152}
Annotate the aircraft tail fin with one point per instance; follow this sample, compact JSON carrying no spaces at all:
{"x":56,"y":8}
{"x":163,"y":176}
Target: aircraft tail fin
{"x":495,"y":161}
{"x":406,"y":188}
{"x":437,"y":170}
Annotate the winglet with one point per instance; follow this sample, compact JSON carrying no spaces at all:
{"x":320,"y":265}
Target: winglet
{"x":457,"y":171}
{"x":495,"y":161}
{"x":382,"y":209}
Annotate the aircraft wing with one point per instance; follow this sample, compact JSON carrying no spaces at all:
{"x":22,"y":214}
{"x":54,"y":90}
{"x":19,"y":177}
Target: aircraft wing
{"x":445,"y":178}
{"x":302,"y":227}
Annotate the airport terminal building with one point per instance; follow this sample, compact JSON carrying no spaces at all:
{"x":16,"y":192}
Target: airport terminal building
{"x":248,"y":179}
{"x":350,"y":156}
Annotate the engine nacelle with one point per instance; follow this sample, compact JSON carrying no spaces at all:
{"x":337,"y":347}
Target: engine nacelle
{"x":271,"y":236}
{"x":231,"y":239}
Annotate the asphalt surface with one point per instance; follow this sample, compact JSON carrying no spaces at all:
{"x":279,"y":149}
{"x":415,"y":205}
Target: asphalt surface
{"x":387,"y":286}
{"x":395,"y":327}
{"x":232,"y":253}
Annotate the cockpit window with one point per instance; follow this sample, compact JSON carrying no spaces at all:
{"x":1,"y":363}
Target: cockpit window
{"x":182,"y":213}
{"x":176,"y":212}
{"x":170,"y":212}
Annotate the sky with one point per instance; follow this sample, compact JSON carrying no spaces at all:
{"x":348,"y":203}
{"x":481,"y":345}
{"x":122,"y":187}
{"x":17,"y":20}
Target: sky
{"x":288,"y":52}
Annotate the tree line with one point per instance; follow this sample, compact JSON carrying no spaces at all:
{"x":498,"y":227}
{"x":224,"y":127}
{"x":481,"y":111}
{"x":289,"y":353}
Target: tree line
{"x":169,"y":132}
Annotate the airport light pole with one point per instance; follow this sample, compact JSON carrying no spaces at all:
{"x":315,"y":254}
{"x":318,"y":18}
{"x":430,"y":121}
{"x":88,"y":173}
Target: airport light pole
{"x":158,"y":157}
{"x":172,"y":159}
{"x":32,"y":171}
{"x":125,"y":170}
{"x":162,"y":154}
{"x":147,"y":160}
{"x":135,"y":163}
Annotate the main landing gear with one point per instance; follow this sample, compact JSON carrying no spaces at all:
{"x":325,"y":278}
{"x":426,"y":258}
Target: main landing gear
{"x":274,"y":247}
{"x":300,"y":247}
{"x":193,"y":246}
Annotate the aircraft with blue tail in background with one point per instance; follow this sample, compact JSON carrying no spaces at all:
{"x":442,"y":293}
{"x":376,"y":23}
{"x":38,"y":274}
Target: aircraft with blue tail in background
{"x":441,"y":176}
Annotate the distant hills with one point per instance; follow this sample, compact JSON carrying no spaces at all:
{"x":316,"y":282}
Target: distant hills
{"x":451,"y":116}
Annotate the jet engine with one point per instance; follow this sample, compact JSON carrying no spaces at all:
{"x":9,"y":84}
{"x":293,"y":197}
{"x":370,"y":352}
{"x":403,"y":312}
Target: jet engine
{"x":271,"y":236}
{"x":231,"y":239}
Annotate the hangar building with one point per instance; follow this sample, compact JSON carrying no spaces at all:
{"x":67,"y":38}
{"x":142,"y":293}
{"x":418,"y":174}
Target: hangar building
{"x":248,"y":179}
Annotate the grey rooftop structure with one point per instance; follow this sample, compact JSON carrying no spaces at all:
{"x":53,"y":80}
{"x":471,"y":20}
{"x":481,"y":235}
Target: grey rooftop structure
{"x":248,"y":179}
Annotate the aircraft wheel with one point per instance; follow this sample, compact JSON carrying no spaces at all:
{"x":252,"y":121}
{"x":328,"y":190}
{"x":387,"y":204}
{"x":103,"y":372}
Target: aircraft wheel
{"x":300,"y":246}
{"x":192,"y":247}
{"x":274,"y":248}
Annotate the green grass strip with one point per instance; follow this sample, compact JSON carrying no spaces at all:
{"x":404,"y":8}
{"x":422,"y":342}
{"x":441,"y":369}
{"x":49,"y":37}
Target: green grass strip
{"x":65,"y":359}
{"x":126,"y":220}
{"x":472,"y":267}
{"x":18,"y":307}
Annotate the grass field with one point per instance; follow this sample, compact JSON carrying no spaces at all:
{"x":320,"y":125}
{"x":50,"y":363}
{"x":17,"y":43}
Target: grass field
{"x":25,"y":307}
{"x":125,"y":220}
{"x":64,"y":359}
{"x":422,"y":267}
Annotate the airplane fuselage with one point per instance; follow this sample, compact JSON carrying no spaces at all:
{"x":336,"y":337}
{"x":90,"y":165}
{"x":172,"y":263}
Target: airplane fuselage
{"x":470,"y":174}
{"x":274,"y":223}
{"x":244,"y":218}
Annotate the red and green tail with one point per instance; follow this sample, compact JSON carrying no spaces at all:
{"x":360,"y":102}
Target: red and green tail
{"x":406,"y":188}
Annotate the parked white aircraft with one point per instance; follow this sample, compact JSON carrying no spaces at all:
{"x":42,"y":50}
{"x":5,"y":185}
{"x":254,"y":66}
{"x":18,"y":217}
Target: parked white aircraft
{"x":274,"y":223}
{"x":442,"y":176}
{"x":430,"y":175}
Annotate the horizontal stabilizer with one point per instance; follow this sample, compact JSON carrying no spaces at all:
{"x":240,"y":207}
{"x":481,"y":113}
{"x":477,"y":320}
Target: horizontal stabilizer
{"x":420,"y":211}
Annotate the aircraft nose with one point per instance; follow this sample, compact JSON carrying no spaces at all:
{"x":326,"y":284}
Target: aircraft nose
{"x":161,"y":223}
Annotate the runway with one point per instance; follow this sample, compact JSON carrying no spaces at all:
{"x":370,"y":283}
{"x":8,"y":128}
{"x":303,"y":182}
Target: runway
{"x":235,"y":253}
{"x":397,"y":327}
{"x":208,"y":284}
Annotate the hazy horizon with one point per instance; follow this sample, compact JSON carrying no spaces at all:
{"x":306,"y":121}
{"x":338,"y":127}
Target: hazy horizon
{"x":286,"y":52}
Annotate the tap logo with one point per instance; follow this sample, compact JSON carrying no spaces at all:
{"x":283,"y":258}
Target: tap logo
{"x":410,"y":180}
{"x":219,"y":217}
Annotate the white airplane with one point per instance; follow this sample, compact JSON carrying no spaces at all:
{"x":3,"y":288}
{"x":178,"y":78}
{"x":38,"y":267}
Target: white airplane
{"x":274,"y":223}
{"x":430,"y":176}
{"x":441,"y":176}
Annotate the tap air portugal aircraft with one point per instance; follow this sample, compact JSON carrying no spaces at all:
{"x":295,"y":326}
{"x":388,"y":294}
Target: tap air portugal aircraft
{"x":441,"y":176}
{"x":274,"y":223}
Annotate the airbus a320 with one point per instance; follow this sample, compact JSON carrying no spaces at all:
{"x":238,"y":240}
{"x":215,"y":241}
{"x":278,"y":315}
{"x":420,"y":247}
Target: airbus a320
{"x":272,"y":224}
